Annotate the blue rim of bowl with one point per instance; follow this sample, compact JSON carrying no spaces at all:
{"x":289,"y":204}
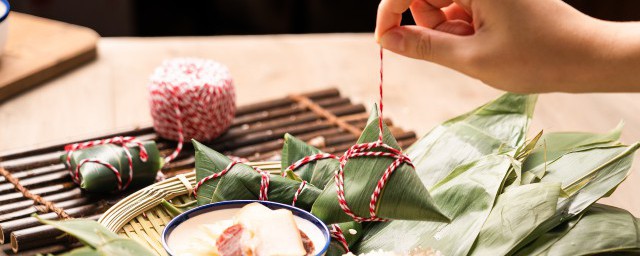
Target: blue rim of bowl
{"x":4,"y":15}
{"x":201,"y":209}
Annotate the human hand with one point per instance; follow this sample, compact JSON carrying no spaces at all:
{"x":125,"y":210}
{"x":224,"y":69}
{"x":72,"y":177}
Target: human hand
{"x":520,"y":46}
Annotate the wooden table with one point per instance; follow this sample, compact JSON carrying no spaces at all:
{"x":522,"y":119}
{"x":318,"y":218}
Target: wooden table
{"x":111,"y":93}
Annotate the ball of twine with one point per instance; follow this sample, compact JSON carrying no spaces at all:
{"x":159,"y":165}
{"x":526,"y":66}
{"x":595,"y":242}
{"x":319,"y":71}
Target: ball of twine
{"x":191,"y":98}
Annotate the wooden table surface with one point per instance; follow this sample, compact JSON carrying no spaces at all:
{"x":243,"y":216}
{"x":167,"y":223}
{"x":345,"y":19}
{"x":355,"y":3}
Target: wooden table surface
{"x":110,"y":93}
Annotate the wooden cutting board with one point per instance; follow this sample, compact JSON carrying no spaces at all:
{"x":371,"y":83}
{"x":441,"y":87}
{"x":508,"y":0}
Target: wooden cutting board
{"x":39,"y":49}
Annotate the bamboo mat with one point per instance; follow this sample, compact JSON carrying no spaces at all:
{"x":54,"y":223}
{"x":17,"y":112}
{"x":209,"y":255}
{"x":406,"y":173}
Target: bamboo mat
{"x":256,"y":134}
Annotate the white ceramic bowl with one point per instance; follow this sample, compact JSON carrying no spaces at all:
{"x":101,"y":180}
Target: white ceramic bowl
{"x":212,"y":213}
{"x":4,"y":23}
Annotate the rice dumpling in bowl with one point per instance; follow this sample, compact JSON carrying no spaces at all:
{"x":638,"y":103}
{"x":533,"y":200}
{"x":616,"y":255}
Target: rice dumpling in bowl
{"x":245,"y":227}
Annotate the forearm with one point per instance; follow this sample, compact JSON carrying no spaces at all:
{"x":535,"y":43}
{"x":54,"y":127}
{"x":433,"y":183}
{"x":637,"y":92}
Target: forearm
{"x":623,"y":73}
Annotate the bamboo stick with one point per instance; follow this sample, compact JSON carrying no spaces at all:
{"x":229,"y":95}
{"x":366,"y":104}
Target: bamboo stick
{"x":286,"y":111}
{"x":46,"y":250}
{"x":12,"y":197}
{"x":39,"y":236}
{"x":38,"y":180}
{"x":28,"y":211}
{"x":34,"y":172}
{"x":277,"y":144}
{"x":6,"y":228}
{"x":255,"y":107}
{"x":283,"y":121}
{"x":65,"y":195}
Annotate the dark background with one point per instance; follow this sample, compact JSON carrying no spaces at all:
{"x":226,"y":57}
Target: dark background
{"x":241,"y":17}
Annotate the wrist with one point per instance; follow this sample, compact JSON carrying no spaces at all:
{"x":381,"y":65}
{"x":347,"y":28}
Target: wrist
{"x":610,"y":61}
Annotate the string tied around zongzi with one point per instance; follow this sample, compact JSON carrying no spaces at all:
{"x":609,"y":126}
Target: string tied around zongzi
{"x":336,"y":233}
{"x":118,"y":140}
{"x":264,"y":181}
{"x":362,"y":150}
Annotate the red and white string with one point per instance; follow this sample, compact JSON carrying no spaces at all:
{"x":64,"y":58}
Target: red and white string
{"x":263,"y":194}
{"x":119,"y":140}
{"x":196,"y":88}
{"x":336,"y":233}
{"x":361,"y":150}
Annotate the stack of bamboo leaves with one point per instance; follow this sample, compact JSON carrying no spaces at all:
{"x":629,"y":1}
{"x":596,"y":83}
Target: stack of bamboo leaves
{"x":490,"y":191}
{"x":478,"y":188}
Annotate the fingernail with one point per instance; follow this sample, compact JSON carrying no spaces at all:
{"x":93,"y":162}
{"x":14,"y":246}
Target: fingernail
{"x":393,"y":40}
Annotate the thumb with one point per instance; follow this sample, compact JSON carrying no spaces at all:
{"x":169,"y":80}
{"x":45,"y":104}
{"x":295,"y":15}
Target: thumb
{"x":424,"y":43}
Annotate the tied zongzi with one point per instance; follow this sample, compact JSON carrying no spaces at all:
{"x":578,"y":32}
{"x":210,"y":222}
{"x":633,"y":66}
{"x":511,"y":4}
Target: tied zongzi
{"x":375,"y":179}
{"x":113,"y":164}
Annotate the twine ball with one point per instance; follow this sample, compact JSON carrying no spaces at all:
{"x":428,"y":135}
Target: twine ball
{"x":195,"y":94}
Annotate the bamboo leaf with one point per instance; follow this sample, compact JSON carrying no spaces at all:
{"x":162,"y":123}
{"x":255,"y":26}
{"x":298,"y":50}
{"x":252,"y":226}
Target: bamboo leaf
{"x":467,"y":195}
{"x":99,"y":238}
{"x":243,"y":182}
{"x":516,"y":214}
{"x":336,"y":248}
{"x":602,"y":229}
{"x":403,"y":197}
{"x":97,"y":178}
{"x":171,"y":209}
{"x":318,"y":173}
{"x":553,"y":145}
{"x":498,"y":126}
{"x":585,"y":176}
{"x":82,"y":251}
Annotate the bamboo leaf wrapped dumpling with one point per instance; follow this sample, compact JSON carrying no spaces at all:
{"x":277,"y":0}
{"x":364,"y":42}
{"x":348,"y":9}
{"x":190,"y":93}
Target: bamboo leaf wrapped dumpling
{"x":318,"y":173}
{"x":105,"y":167}
{"x":242,"y":182}
{"x":403,"y":196}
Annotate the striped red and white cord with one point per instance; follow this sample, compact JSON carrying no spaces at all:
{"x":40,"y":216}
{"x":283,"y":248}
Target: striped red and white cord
{"x":336,"y":233}
{"x":303,"y":184}
{"x":264,"y":180}
{"x":361,"y":150}
{"x":119,"y":140}
{"x":306,"y":160}
{"x":199,"y":89}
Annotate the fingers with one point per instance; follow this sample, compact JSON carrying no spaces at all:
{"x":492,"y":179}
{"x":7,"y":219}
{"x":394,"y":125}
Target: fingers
{"x":389,"y":15}
{"x":456,"y":27}
{"x":456,"y":12}
{"x":427,"y":15}
{"x":426,"y":44}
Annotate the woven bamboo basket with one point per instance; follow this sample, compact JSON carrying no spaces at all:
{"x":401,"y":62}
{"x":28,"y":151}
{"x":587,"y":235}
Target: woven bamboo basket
{"x":140,"y":215}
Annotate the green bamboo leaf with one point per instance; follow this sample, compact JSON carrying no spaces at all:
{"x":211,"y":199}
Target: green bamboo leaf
{"x":553,"y":145}
{"x":82,"y":251}
{"x":352,"y":232}
{"x":585,"y":176}
{"x":546,"y":240}
{"x":467,"y":195}
{"x":403,"y":197}
{"x":97,"y":178}
{"x":88,"y":232}
{"x":243,"y":182}
{"x":499,"y":126}
{"x":516,"y":214}
{"x":602,"y":229}
{"x":208,"y":162}
{"x":171,"y":209}
{"x":92,"y":234}
{"x":318,"y":173}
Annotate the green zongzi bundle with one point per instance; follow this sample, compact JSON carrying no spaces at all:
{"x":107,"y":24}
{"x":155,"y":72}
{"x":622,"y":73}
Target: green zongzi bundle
{"x":112,"y":164}
{"x":375,"y":181}
{"x":219,"y":179}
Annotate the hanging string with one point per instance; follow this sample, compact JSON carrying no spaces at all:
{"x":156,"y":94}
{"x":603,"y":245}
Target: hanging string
{"x":380,"y":120}
{"x":362,"y":150}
